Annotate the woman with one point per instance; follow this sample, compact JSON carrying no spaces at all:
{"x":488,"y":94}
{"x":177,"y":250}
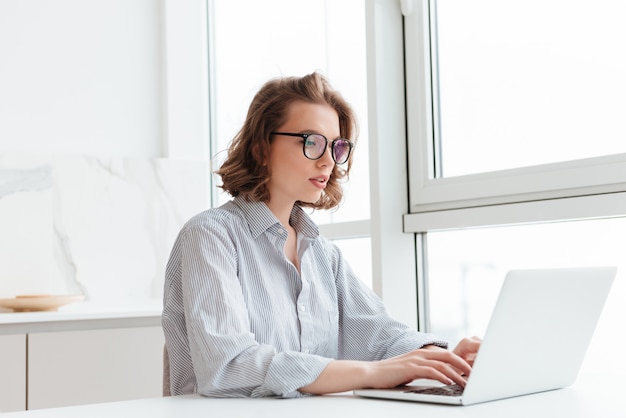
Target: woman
{"x":256,"y":302}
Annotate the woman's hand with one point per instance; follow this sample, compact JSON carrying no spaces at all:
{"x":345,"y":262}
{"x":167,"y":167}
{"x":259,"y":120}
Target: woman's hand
{"x":429,"y":362}
{"x":467,"y":349}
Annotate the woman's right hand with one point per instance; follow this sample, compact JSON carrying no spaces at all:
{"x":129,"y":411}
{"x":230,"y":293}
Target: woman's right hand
{"x":430,"y":362}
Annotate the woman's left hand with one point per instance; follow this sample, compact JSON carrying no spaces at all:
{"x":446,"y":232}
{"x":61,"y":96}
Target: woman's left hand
{"x":467,"y":349}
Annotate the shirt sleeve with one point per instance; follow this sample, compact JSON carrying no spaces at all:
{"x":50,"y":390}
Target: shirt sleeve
{"x":367,"y":331}
{"x":227,"y":360}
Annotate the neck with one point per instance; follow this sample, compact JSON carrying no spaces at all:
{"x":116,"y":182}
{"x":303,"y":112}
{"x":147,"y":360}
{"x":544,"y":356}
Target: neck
{"x":282,"y":211}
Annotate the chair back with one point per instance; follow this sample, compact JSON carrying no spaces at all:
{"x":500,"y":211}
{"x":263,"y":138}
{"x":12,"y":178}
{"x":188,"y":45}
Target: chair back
{"x":166,"y":372}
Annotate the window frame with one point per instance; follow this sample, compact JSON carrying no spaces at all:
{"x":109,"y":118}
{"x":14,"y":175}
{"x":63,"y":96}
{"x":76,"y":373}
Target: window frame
{"x":470,"y":200}
{"x":591,"y":188}
{"x":393,"y":251}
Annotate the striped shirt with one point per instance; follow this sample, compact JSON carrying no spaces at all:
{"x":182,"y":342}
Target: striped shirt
{"x":241,"y":321}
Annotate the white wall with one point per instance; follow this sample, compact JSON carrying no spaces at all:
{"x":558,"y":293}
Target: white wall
{"x":121,"y":80}
{"x":81,"y":77}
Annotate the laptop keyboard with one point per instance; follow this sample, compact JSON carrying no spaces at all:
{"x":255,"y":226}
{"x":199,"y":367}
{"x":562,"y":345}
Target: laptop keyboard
{"x":451,"y":390}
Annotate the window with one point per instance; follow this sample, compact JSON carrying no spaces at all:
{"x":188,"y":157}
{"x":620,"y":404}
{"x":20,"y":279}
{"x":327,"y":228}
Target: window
{"x":284,"y":38}
{"x":516,"y":153}
{"x":466,"y":269}
{"x":526,"y":101}
{"x":528,"y":83}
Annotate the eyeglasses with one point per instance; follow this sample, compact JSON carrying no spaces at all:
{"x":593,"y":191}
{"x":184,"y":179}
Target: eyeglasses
{"x":314,"y":146}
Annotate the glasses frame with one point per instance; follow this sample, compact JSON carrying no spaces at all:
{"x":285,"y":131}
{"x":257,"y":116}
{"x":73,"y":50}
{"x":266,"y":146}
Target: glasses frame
{"x":332,"y":146}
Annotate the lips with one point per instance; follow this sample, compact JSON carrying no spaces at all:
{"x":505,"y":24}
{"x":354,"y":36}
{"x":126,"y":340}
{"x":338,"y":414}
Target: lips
{"x":319,"y":181}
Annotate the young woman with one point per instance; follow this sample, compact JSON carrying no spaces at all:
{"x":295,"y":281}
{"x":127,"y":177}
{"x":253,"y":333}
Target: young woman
{"x":256,"y":302}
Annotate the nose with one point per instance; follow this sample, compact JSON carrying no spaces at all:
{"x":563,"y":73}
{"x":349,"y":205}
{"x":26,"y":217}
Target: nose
{"x":327,"y":158}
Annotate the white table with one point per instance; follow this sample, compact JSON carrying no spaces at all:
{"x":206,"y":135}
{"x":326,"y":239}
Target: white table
{"x":584,"y":399}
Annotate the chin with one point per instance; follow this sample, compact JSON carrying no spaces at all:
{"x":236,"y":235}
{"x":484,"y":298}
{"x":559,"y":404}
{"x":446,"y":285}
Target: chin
{"x":311,"y":199}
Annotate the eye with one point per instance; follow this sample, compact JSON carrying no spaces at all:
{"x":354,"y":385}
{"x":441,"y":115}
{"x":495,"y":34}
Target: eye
{"x":341,"y":150}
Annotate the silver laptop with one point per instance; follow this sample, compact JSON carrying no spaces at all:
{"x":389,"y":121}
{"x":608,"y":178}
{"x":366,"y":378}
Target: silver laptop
{"x":536,"y":339}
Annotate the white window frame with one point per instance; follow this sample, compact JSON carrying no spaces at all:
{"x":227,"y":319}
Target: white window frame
{"x":580,"y":189}
{"x":393,"y":251}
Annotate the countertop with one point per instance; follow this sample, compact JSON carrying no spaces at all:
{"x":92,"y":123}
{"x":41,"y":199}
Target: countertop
{"x":81,"y":316}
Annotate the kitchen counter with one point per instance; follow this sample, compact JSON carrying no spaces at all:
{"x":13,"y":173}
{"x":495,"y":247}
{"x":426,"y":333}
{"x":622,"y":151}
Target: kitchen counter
{"x":82,"y":316}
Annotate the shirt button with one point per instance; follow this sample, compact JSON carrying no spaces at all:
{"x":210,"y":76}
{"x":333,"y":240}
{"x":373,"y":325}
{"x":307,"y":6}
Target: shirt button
{"x":302,"y":308}
{"x":305,"y":351}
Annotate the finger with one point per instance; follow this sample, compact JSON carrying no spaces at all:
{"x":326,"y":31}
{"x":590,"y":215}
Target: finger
{"x":440,"y":372}
{"x":461,"y":366}
{"x":470,"y":358}
{"x":468,"y":345}
{"x":443,"y":371}
{"x":452,"y":372}
{"x":467,"y":348}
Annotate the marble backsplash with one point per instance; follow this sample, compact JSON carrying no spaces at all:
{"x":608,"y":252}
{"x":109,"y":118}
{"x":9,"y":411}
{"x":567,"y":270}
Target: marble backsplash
{"x":103,"y":227}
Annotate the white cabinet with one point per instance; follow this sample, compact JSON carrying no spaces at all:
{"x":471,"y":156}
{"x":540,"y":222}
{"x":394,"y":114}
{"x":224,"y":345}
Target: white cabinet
{"x":12,"y":372}
{"x":52,"y":359}
{"x":88,"y":366}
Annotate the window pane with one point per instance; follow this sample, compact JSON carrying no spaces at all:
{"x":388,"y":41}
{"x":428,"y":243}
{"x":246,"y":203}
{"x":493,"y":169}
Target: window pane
{"x":284,"y":38}
{"x":466,"y":270}
{"x":523,"y":83}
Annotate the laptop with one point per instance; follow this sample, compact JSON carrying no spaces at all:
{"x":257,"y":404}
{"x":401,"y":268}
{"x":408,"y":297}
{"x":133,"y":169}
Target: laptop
{"x":536,"y":339}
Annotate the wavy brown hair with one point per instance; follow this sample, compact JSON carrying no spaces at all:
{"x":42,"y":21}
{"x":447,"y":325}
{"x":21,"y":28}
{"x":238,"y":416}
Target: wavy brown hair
{"x":244,"y":171}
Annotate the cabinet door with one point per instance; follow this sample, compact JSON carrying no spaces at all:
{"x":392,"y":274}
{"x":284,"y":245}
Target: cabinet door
{"x":12,"y":372}
{"x":80,"y":367}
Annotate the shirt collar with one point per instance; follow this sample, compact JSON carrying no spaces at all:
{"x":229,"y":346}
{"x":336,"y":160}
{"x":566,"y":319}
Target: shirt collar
{"x":260,"y":218}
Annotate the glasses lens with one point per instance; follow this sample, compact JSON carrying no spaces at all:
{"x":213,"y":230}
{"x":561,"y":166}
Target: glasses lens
{"x":314,"y":146}
{"x":341,"y":150}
